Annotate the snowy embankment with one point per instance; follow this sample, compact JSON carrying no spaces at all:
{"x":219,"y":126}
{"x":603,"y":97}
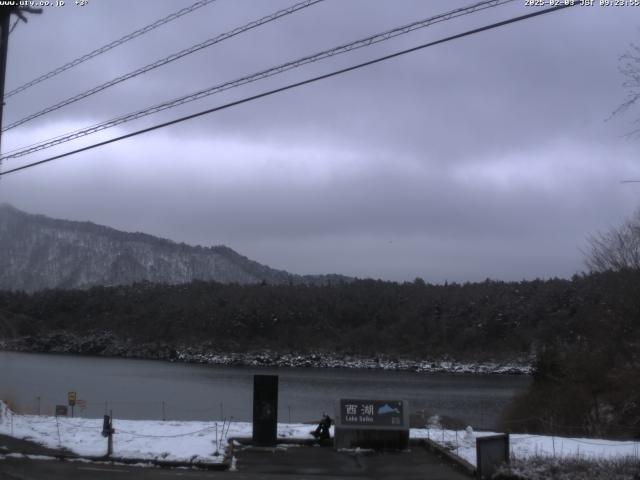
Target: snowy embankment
{"x":525,"y":446}
{"x":206,"y":442}
{"x":169,"y":441}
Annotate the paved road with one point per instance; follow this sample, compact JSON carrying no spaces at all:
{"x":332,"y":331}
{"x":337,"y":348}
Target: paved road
{"x":288,"y":463}
{"x":317,"y":462}
{"x":295,"y":463}
{"x":12,"y":444}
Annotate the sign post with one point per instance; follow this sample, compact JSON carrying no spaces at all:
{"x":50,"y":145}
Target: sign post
{"x":372,"y":424}
{"x":61,"y":410}
{"x":71,"y":397}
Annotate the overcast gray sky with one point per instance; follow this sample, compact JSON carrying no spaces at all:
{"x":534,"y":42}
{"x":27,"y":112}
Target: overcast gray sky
{"x":487,"y":156}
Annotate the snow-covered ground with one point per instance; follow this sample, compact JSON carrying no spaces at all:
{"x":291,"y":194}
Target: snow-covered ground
{"x":141,"y":439}
{"x":200,"y":441}
{"x":463,"y":443}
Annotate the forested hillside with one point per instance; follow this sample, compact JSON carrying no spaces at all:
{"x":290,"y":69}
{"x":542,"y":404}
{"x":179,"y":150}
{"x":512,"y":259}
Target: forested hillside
{"x":473,"y":320}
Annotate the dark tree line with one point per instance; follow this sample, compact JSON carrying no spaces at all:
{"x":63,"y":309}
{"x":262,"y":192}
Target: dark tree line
{"x":472,"y":320}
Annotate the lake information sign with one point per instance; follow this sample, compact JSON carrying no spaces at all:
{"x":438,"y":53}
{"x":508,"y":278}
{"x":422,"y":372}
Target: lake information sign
{"x":371,"y":423}
{"x":379,"y":413}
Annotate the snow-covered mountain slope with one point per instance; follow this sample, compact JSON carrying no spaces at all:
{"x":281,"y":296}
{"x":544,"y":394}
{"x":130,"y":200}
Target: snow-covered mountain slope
{"x":37,"y":252}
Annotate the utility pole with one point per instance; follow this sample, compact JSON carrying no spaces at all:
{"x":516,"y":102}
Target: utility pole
{"x":4,"y":39}
{"x":5,"y":24}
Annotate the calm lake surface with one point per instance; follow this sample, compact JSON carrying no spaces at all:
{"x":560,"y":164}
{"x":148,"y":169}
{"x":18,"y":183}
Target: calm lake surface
{"x":147,"y":389}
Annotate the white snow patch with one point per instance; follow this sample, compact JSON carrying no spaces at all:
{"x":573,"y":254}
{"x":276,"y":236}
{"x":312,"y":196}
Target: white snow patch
{"x":185,"y":441}
{"x":196,"y":441}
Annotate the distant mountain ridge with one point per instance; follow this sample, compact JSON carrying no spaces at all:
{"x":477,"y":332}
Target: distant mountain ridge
{"x":39,"y":252}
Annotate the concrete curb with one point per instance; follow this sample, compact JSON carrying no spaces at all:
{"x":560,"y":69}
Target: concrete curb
{"x":248,"y":441}
{"x":224,"y":465}
{"x":467,"y":467}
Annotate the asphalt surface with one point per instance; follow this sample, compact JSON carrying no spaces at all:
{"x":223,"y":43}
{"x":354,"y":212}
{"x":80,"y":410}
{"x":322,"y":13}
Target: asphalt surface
{"x":325,"y":462}
{"x":283,"y":463}
{"x":11,"y":444}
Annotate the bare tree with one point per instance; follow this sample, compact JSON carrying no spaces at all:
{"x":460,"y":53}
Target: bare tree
{"x":630,"y":69}
{"x":617,"y":249}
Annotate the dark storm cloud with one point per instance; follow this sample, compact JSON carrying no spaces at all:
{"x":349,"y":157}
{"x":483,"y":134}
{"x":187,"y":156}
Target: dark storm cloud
{"x":487,"y":156}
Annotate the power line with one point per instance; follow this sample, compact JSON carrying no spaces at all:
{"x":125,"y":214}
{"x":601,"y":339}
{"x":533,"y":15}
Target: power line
{"x":109,"y":46}
{"x":364,"y":42}
{"x":166,"y":60}
{"x":293,"y":85}
{"x":319,"y":56}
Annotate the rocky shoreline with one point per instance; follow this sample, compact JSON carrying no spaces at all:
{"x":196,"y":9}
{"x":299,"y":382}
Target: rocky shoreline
{"x":108,"y":345}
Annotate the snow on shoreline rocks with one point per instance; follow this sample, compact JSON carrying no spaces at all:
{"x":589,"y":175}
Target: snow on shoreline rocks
{"x":107,"y":344}
{"x":324,"y":360}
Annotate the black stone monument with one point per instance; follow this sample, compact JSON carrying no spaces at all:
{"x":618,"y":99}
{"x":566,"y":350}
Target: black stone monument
{"x":265,"y":409}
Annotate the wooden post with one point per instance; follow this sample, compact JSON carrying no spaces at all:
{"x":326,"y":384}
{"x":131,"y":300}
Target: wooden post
{"x":110,"y":444}
{"x":108,"y":431}
{"x":110,"y":440}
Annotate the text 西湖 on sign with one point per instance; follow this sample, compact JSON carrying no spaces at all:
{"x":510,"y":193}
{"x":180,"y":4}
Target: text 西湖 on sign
{"x":382,"y":413}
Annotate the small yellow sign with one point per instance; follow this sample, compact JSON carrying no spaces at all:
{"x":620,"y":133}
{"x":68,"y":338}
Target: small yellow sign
{"x":71,"y":396}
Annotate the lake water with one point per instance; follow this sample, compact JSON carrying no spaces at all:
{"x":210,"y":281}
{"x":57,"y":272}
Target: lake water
{"x":149,"y":389}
